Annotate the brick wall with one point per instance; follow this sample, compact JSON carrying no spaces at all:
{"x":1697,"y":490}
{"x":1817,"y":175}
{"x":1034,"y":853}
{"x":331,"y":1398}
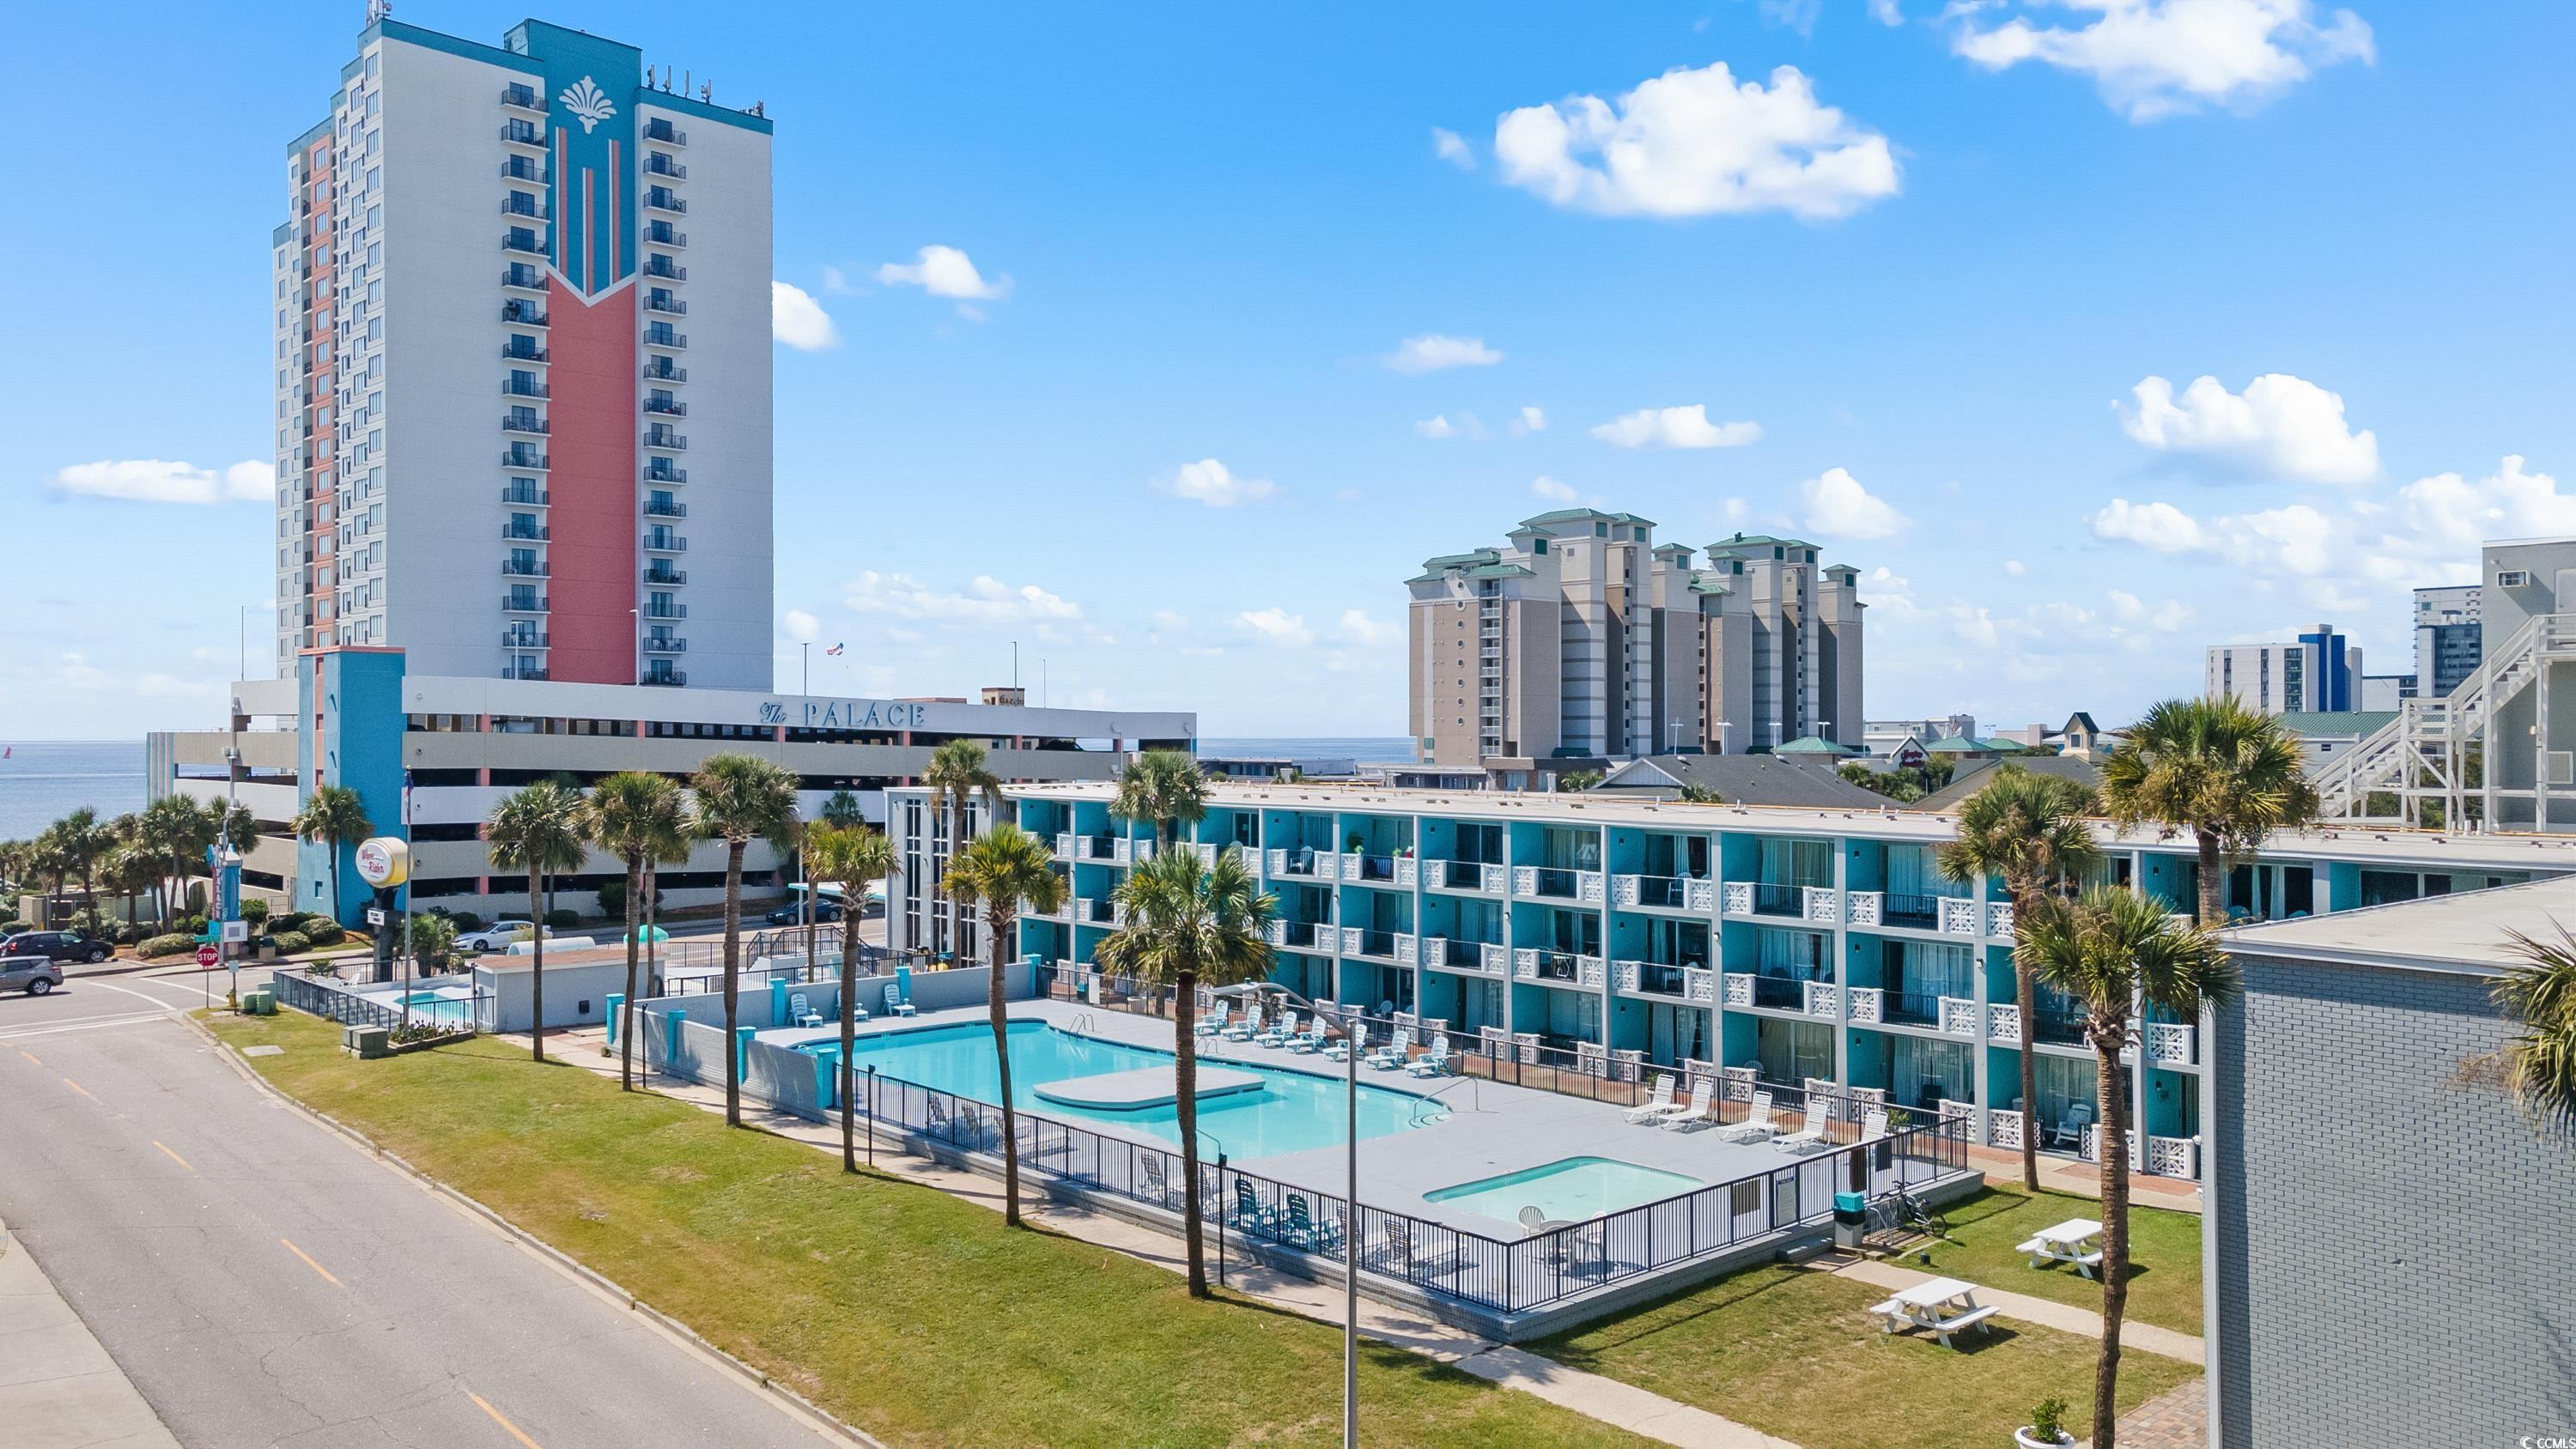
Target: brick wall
{"x":2393,"y":1257}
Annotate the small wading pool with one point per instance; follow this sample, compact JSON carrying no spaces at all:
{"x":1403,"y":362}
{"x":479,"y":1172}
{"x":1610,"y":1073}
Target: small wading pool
{"x":457,"y":1009}
{"x":1571,"y":1189}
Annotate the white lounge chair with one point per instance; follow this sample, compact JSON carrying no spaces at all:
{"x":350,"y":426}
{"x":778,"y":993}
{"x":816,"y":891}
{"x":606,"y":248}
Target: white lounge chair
{"x":1357,"y":1041}
{"x":1873,"y":1126}
{"x":1245,"y":1029}
{"x":1812,"y":1136}
{"x":1391,"y":1056}
{"x":1655,"y":1105}
{"x":1433,"y":1063}
{"x":895,"y":1005}
{"x":1312,"y":1039}
{"x":1757,"y":1123}
{"x":1214,"y":1021}
{"x":2070,"y":1128}
{"x":1702,"y":1111}
{"x":802,"y":1010}
{"x":1278,"y":1033}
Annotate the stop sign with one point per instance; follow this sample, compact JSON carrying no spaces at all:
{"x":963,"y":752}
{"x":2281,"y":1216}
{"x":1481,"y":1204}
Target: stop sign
{"x":208,"y":955}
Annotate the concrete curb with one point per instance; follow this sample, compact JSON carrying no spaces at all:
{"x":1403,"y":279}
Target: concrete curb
{"x":795,"y":1403}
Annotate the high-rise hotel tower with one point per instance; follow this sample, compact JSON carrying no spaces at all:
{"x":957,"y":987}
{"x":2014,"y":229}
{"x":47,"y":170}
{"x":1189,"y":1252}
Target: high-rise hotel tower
{"x":523,"y":367}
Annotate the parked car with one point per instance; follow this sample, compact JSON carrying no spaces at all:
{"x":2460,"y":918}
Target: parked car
{"x":793,"y":914}
{"x":30,"y":973}
{"x":500,"y":936}
{"x":57,"y":946}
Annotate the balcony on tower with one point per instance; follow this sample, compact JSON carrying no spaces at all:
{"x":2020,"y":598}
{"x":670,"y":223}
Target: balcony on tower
{"x":522,"y":239}
{"x":663,"y":369}
{"x":657,"y":164}
{"x":523,"y":601}
{"x":525,"y":494}
{"x":662,"y":268}
{"x":662,"y":234}
{"x":525,"y":278}
{"x":523,"y":349}
{"x":659,"y":435}
{"x":663,"y":506}
{"x":520,"y":203}
{"x":523,"y":312}
{"x":662,"y":641}
{"x":524,"y":420}
{"x":529,"y":531}
{"x":524,"y":670}
{"x":660,"y":334}
{"x":524,"y":455}
{"x":522,"y":636}
{"x":662,"y":540}
{"x":664,"y":609}
{"x":665,"y":405}
{"x":663,"y":470}
{"x":662,"y":198}
{"x":525,"y":168}
{"x":519,"y":97}
{"x":523,"y":564}
{"x":659,"y":129}
{"x":659,"y":671}
{"x":519,"y":384}
{"x":662,"y":573}
{"x":660,"y":300}
{"x":516,"y":132}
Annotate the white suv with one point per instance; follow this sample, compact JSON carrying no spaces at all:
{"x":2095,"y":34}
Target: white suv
{"x":500,"y":936}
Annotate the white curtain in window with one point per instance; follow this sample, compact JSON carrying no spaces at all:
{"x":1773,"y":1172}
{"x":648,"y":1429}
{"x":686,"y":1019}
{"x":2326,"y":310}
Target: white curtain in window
{"x":1791,"y":953}
{"x":1798,"y":862}
{"x":1923,"y":1071}
{"x":1912,"y":871}
{"x":1932,"y":970}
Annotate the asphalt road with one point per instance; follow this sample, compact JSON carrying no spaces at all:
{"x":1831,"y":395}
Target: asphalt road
{"x":265,"y":1282}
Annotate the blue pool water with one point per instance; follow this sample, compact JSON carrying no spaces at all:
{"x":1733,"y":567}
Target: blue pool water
{"x":1292,"y":1111}
{"x":1570,"y":1189}
{"x":437,"y":1006}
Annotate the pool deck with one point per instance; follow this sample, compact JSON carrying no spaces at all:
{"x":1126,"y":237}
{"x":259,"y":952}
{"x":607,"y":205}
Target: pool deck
{"x":1492,"y":1128}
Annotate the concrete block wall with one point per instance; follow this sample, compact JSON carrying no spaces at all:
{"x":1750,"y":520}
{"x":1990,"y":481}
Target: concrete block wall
{"x":2390,"y":1256}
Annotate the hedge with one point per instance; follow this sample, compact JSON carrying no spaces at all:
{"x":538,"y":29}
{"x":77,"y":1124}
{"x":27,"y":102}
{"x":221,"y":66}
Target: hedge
{"x":290,"y":943}
{"x":170,"y":945}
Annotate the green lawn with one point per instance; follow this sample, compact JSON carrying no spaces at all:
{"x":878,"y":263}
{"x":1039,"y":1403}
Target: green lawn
{"x":2164,"y":1249}
{"x":1794,"y":1352}
{"x":915,"y":1316}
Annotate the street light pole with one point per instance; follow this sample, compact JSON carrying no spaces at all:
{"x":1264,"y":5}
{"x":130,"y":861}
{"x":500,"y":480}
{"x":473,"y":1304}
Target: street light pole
{"x":809,"y":668}
{"x":1350,"y":1249}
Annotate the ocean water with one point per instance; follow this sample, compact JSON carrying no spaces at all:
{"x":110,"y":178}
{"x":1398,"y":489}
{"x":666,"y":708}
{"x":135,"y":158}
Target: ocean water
{"x":43,"y":780}
{"x":1367,"y":749}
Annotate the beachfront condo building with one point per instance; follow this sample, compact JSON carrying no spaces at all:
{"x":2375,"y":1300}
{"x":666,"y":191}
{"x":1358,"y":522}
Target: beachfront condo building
{"x":523,"y":366}
{"x":2319,"y":673}
{"x":1611,"y":939}
{"x":1581,"y":640}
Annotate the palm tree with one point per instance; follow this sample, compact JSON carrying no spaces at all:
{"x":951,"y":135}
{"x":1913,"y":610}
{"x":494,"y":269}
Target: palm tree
{"x":740,"y":798}
{"x":1166,"y":787}
{"x":2111,"y":949}
{"x":538,"y":829}
{"x":2538,"y":1066}
{"x":637,"y":817}
{"x":853,"y":858}
{"x":2030,"y":830}
{"x":1188,"y":926}
{"x":2213,"y":767}
{"x":84,"y":842}
{"x":334,"y":817}
{"x":956,"y":775}
{"x":1001,"y":869}
{"x":842,"y":811}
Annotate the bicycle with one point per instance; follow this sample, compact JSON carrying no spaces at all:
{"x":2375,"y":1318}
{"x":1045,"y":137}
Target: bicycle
{"x":1916,"y":1215}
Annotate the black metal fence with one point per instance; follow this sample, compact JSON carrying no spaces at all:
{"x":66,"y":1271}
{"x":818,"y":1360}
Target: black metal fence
{"x":1503,"y":1275}
{"x":333,"y":1002}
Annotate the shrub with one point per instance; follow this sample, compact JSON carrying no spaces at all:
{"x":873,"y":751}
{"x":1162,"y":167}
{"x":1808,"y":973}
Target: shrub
{"x":170,"y":945}
{"x":2047,"y":1419}
{"x":562,"y":920}
{"x":290,"y":943}
{"x":193,"y":925}
{"x":326,"y":933}
{"x":132,"y":933}
{"x":255,"y":911}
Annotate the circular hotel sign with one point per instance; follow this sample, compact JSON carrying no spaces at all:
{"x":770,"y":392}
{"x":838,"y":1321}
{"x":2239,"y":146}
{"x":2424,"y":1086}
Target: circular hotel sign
{"x":383,"y":861}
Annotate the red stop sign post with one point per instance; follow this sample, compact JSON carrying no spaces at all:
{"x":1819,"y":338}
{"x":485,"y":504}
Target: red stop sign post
{"x":208,"y":956}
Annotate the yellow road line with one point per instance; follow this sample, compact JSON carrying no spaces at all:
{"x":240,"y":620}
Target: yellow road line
{"x":498,"y":1419}
{"x":309,"y":1263}
{"x":174,"y":1157}
{"x":77,"y":1087}
{"x":30,"y":1056}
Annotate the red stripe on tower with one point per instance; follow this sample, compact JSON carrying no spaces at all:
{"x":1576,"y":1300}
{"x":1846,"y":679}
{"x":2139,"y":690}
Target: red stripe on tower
{"x":594,"y":444}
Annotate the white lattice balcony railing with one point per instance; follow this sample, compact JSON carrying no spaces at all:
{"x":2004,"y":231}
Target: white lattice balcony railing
{"x":2173,"y":1157}
{"x":1959,"y":1016}
{"x":1587,"y":887}
{"x":1524,"y":880}
{"x":1407,"y":871}
{"x":1703,"y":984}
{"x":1275,"y":932}
{"x":1625,"y":973}
{"x":1824,"y":905}
{"x":1528,"y":1043}
{"x":2172,"y":1043}
{"x":1739,"y":1083}
{"x":1954,"y":1110}
{"x":1999,"y":919}
{"x":1278,"y":862}
{"x":1492,"y":884}
{"x":2003,"y":1022}
{"x":1435,"y":950}
{"x":1623,"y":890}
{"x":1739,"y":989}
{"x":2091,"y":1151}
{"x":1493,"y":957}
{"x":1737,"y":896}
{"x":1591,"y":971}
{"x":1823,"y":999}
{"x":1206,"y":851}
{"x":1351,"y":940}
{"x":1347,"y":864}
{"x":1862,"y":908}
{"x":1865,"y":1003}
{"x":1064,"y":845}
{"x":1404,"y":950}
{"x":1525,"y":963}
{"x":1700,"y":895}
{"x":1958,"y":917}
{"x":2003,"y":1129}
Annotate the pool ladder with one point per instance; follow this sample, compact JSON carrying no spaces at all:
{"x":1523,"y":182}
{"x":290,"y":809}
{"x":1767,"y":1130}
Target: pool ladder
{"x":1423,"y":1106}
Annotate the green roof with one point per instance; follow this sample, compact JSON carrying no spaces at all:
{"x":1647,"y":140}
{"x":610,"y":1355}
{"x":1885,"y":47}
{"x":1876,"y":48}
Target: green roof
{"x":1749,"y":540}
{"x":1813,"y":745}
{"x":1501,"y":571}
{"x":1962,"y":745}
{"x":2356,"y":722}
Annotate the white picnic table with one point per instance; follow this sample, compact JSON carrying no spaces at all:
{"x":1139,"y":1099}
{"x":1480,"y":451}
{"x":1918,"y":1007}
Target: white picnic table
{"x":1943,"y":1306}
{"x":2076,"y":1240}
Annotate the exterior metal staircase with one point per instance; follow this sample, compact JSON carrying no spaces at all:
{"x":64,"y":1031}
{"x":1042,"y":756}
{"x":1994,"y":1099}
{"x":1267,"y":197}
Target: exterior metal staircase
{"x":2423,"y":753}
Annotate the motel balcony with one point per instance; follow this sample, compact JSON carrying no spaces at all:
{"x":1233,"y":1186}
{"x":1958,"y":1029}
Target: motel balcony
{"x":1559,"y":968}
{"x":1396,"y":871}
{"x":1821,"y":905}
{"x":1305,"y":863}
{"x":1300,"y":935}
{"x":1550,"y":883}
{"x":524,"y":603}
{"x":664,"y":166}
{"x":513,"y":424}
{"x":2056,"y":1028}
{"x":1664,"y":893}
{"x":1485,"y":958}
{"x":522,"y":313}
{"x":522,"y":639}
{"x":664,"y":132}
{"x":1469,"y":876}
{"x":1804,"y":996}
{"x":1390,"y":947}
{"x":526,"y":533}
{"x":663,"y":269}
{"x":521,"y":568}
{"x":1110,"y":849}
{"x":1696,"y":985}
{"x":522,"y":98}
{"x":665,"y":644}
{"x":666,"y":407}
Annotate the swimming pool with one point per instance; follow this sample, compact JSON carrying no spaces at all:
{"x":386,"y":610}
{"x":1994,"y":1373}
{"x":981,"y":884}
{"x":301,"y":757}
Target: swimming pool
{"x":1570,"y":1189}
{"x":456,"y":1008}
{"x":1290,"y":1111}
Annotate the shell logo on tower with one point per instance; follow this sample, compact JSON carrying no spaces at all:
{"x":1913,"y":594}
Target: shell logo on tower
{"x":588,"y":104}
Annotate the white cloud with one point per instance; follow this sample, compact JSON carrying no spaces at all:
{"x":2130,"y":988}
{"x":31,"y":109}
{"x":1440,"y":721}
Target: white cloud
{"x":837,"y":281}
{"x":1675,"y":428}
{"x":1212,"y":483}
{"x":2164,"y":616}
{"x":2013,"y":568}
{"x":1839,"y":507}
{"x":803,"y":627}
{"x":1168,"y":622}
{"x":1885,"y":12}
{"x":1276,"y":625}
{"x":1451,"y":147}
{"x":1358,"y":628}
{"x":1694,"y":143}
{"x":1432,"y":351}
{"x":1531,"y":420}
{"x":1546,"y":487}
{"x":2280,"y":427}
{"x":2153,"y":58}
{"x":986,"y":600}
{"x":156,"y":685}
{"x":2448,"y":516}
{"x":945,"y":272}
{"x":799,"y":321}
{"x":151,"y":480}
{"x":1466,"y":426}
{"x":2158,"y":526}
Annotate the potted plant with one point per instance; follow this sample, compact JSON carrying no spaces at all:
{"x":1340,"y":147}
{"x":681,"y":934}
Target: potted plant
{"x":2046,"y":1429}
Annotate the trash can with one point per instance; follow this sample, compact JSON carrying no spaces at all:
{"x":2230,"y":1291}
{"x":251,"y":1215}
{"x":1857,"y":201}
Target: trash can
{"x":1851,"y":1219}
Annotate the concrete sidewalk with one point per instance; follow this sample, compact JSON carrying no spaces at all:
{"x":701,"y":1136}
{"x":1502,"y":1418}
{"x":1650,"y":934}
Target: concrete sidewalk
{"x":1624,"y":1406}
{"x":58,"y":1387}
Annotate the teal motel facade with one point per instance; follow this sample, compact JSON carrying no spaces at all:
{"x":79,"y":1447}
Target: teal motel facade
{"x":1811,"y":948}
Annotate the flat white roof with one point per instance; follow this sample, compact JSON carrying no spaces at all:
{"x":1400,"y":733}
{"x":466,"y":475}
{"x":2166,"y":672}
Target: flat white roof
{"x":2416,"y":848}
{"x":2469,"y":931}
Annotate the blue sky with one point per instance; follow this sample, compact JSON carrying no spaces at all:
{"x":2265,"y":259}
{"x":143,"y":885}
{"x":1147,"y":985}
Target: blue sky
{"x":1961,"y":274}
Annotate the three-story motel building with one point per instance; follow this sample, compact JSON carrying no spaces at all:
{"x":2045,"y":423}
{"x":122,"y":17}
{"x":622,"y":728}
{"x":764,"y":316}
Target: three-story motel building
{"x":1805,"y":947}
